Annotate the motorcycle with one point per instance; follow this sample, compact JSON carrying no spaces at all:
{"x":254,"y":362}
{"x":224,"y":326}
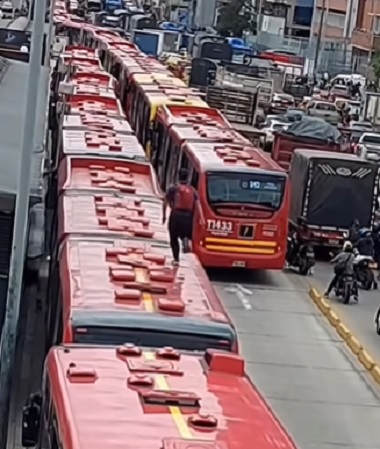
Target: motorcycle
{"x":345,"y":288}
{"x":363,"y":266}
{"x":303,"y":258}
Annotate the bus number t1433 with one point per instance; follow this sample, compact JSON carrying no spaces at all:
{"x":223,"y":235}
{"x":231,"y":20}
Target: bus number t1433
{"x":219,"y":226}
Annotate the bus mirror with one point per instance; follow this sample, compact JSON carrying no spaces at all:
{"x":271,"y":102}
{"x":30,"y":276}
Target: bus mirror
{"x":31,"y":416}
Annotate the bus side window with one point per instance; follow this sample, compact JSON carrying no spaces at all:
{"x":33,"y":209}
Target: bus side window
{"x":146,"y":125}
{"x":184,"y":162}
{"x":195,"y":179}
{"x":157,"y":144}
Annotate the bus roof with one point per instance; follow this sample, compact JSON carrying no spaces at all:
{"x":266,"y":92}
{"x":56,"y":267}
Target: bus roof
{"x":80,"y":52}
{"x":174,"y":96}
{"x":159,"y":78}
{"x":221,"y":156}
{"x":172,"y":114}
{"x":159,"y":399}
{"x":83,"y":213}
{"x":82,"y":63}
{"x":91,"y":122}
{"x":101,"y":79}
{"x":103,"y":143}
{"x":207,"y":133}
{"x":124,"y":284}
{"x":95,"y":104}
{"x":88,"y":89}
{"x":112,"y":175}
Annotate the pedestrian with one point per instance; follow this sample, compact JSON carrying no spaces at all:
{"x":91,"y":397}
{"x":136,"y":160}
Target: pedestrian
{"x":182,"y":200}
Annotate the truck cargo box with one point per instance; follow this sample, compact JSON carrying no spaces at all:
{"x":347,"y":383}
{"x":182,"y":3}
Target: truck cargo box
{"x":309,"y":133}
{"x":329,"y":190}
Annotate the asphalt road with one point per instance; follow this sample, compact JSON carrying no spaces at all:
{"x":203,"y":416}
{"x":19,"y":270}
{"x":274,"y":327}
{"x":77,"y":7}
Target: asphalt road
{"x":358,"y":317}
{"x":320,"y":394}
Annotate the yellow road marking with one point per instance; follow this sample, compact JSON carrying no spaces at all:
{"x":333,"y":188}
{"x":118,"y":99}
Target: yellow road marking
{"x":176,"y":413}
{"x":147,"y":298}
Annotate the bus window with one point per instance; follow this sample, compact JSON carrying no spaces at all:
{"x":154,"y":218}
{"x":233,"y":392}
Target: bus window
{"x":171,"y":165}
{"x":115,"y":71}
{"x":145,"y":125}
{"x":157,"y":143}
{"x":195,"y":179}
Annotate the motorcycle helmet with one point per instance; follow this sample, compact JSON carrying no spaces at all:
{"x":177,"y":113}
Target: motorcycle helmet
{"x":347,"y":247}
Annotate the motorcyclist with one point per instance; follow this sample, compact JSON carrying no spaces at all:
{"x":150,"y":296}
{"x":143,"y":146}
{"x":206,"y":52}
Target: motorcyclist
{"x":343,"y":264}
{"x":365,"y":244}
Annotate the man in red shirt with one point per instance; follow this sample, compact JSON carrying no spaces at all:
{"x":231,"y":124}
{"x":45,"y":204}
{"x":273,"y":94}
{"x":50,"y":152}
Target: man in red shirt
{"x":182,"y":199}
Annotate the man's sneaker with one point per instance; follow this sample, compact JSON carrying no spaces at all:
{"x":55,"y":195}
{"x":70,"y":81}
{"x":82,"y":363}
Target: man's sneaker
{"x":326,"y":295}
{"x":175,"y":263}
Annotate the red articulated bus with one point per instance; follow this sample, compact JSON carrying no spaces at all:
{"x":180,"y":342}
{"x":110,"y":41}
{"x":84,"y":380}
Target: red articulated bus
{"x":155,"y":398}
{"x":109,"y":291}
{"x":242,"y":218}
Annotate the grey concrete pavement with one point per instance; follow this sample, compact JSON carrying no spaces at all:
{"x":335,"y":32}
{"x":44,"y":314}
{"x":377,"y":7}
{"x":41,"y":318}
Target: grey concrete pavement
{"x":299,"y":364}
{"x":358,"y":317}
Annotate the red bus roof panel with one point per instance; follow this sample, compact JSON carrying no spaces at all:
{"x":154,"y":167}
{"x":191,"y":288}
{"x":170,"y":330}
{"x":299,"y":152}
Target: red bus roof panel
{"x":98,"y":176}
{"x":137,"y":276}
{"x":97,"y":105}
{"x":92,"y":122}
{"x":105,"y":215}
{"x":100,"y":79}
{"x":202,"y":133}
{"x":192,"y":115}
{"x":85,"y":89}
{"x":103,"y":396}
{"x":217,"y":155}
{"x":106,"y":143}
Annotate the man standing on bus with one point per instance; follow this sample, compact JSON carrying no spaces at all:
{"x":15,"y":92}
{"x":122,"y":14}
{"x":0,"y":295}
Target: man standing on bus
{"x":182,"y":199}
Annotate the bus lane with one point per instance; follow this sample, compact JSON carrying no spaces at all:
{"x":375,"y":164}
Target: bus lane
{"x":304,"y":371}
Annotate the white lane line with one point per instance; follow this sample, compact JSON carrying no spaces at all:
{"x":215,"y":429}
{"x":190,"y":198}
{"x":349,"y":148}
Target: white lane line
{"x":241,"y":292}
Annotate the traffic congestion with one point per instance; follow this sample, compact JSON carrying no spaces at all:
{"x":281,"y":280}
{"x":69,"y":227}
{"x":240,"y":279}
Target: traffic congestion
{"x":190,"y":217}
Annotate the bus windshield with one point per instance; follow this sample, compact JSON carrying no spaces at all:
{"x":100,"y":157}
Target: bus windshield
{"x":254,"y":189}
{"x":151,"y":338}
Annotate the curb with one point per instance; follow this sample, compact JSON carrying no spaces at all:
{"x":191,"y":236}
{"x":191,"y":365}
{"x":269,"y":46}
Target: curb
{"x":354,"y":345}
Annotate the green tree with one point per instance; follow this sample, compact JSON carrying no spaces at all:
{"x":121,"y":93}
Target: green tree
{"x":236,"y":17}
{"x":376,"y":67}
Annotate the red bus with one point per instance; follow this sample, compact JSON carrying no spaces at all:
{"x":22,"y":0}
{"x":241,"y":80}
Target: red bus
{"x":169,"y":143}
{"x":97,"y":397}
{"x":242,"y":218}
{"x":110,"y":291}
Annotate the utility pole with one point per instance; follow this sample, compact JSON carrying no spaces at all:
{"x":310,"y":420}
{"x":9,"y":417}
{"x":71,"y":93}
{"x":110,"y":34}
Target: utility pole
{"x":19,"y":243}
{"x":319,"y":36}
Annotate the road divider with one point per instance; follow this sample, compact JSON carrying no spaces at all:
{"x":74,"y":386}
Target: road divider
{"x":353,"y":343}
